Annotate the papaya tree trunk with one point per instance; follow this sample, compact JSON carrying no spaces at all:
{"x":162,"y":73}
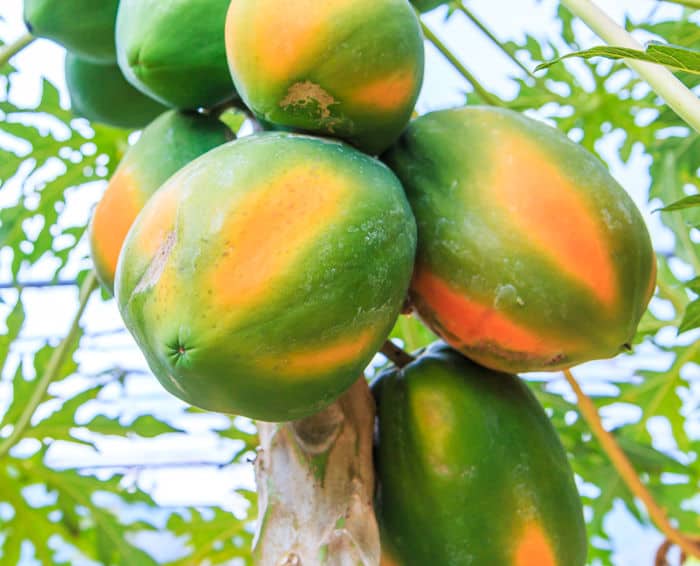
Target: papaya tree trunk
{"x":315,"y":487}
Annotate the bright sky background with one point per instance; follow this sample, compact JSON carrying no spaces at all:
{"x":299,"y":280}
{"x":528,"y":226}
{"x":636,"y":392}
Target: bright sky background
{"x":49,"y":311}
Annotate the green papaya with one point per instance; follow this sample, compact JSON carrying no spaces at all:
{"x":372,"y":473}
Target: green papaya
{"x":350,"y":69}
{"x":169,"y":143}
{"x":100,"y":93}
{"x":470,"y":472}
{"x":427,"y":5}
{"x":263,"y":277}
{"x":83,"y":27}
{"x":174,"y":51}
{"x":530,"y":255}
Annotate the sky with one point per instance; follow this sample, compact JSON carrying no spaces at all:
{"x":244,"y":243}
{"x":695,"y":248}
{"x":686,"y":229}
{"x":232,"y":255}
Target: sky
{"x":50,"y":311}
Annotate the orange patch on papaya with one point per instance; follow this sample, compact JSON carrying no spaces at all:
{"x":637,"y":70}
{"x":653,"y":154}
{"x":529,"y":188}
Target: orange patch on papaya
{"x":387,"y":93}
{"x":387,"y":560}
{"x":473,"y":323}
{"x":281,"y":35}
{"x":533,"y":548}
{"x":157,"y":220}
{"x":343,"y":351}
{"x":270,"y":228}
{"x":113,"y":216}
{"x":553,"y":216}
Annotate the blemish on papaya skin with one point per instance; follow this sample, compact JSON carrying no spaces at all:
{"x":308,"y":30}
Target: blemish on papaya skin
{"x":307,"y":94}
{"x":435,"y":422}
{"x":157,"y":266}
{"x":533,"y":548}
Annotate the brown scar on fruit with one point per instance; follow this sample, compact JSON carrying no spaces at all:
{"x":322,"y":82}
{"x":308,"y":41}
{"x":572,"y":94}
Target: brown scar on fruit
{"x":157,"y":265}
{"x":307,"y":92}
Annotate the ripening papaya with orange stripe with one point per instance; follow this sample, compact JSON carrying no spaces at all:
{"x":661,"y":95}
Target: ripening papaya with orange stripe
{"x":169,"y":143}
{"x":262,"y":278}
{"x":469,"y":469}
{"x":350,"y":69}
{"x":530,"y":255}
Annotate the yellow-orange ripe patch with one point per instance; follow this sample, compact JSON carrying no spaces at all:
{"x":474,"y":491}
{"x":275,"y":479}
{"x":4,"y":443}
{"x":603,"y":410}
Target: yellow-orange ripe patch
{"x":387,"y":93}
{"x":472,"y":323}
{"x":113,"y":217}
{"x":280,"y":35}
{"x":338,"y":353}
{"x":533,"y":548}
{"x":552,"y":215}
{"x":269,"y":230}
{"x":158,"y":220}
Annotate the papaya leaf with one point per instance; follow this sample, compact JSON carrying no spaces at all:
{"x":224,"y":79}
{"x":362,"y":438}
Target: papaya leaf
{"x":677,"y":58}
{"x":687,"y":202}
{"x":691,"y":317}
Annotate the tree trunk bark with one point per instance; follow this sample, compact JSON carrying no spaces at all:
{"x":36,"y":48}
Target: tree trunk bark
{"x":316,"y":485}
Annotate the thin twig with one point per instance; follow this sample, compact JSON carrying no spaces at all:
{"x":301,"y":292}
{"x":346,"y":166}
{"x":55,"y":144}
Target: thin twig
{"x":10,"y":50}
{"x":487,"y":32}
{"x":484,"y":94}
{"x":627,"y":471}
{"x":397,"y":355}
{"x":58,"y":357}
{"x":680,"y":98}
{"x":37,"y":284}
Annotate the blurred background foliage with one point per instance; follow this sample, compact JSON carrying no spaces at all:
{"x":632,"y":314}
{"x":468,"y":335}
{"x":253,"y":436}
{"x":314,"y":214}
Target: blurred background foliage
{"x":56,"y":511}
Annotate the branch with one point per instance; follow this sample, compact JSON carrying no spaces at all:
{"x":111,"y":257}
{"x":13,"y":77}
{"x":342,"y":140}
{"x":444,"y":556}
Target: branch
{"x":315,"y":487}
{"x":38,"y":284}
{"x":58,"y":357}
{"x":484,"y":94}
{"x":680,"y":98}
{"x":627,"y":472}
{"x":396,"y":354}
{"x":459,"y":5}
{"x":10,"y":50}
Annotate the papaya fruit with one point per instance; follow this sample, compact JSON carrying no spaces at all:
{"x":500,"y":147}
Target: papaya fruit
{"x":343,"y":68}
{"x":262,"y":277}
{"x":469,"y":470}
{"x":530,"y":256}
{"x":83,"y":27}
{"x":174,"y":51}
{"x":100,"y":93}
{"x":169,"y":143}
{"x":427,"y":5}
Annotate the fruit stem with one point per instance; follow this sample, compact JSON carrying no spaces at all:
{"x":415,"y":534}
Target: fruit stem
{"x":680,"y":98}
{"x":10,"y":50}
{"x":626,"y":470}
{"x":397,"y":355}
{"x":485,"y":95}
{"x":470,"y":15}
{"x":58,"y":358}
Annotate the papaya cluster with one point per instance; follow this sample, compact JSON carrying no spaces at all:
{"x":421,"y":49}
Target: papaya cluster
{"x":260,"y":276}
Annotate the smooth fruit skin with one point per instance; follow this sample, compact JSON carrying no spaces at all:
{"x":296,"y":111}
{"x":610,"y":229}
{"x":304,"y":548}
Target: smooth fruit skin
{"x":84,"y":27}
{"x":427,"y":5}
{"x":350,"y":69}
{"x":169,"y":143}
{"x":530,"y":256}
{"x":262,"y":277}
{"x":100,"y":93}
{"x":470,"y":471}
{"x":174,"y":51}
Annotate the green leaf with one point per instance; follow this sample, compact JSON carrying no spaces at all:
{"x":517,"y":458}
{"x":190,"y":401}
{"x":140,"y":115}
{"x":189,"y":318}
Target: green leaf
{"x":691,"y":317}
{"x":146,"y":426}
{"x":678,"y":58}
{"x":687,"y":202}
